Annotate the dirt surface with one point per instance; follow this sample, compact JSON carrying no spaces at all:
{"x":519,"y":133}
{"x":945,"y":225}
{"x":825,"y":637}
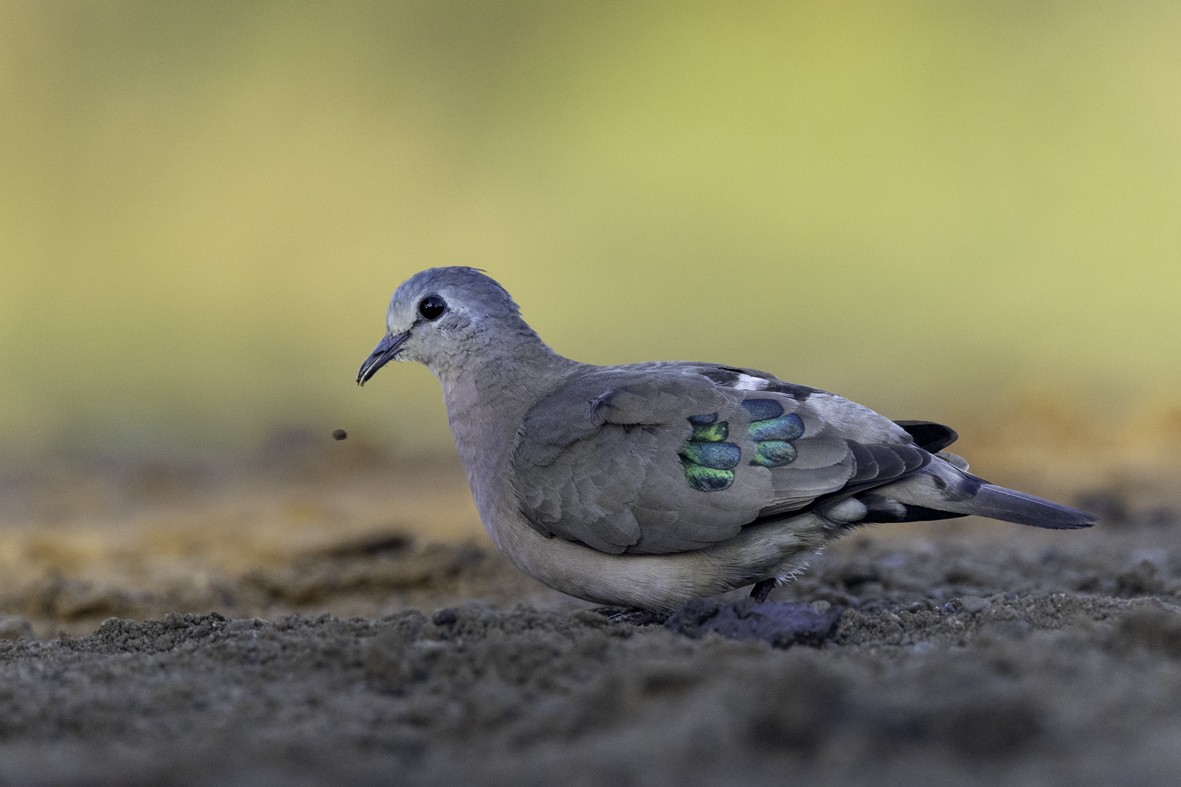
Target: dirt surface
{"x":329,"y":615}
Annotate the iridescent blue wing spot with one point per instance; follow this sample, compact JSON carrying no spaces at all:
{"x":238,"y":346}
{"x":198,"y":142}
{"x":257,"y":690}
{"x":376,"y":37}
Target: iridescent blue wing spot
{"x":720,"y":456}
{"x":772,"y":432}
{"x":773,"y":453}
{"x":762,"y":409}
{"x":708,"y":460}
{"x":785,"y":427}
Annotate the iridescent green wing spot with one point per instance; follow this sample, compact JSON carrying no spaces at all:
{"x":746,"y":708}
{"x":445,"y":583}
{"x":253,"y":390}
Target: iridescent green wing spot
{"x":707,"y":479}
{"x":772,"y":432}
{"x":709,"y":461}
{"x":707,"y":428}
{"x":773,"y":453}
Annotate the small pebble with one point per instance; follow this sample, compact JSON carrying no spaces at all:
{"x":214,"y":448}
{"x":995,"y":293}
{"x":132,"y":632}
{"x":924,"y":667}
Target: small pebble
{"x":339,"y":434}
{"x":974,"y":604}
{"x":444,"y":617}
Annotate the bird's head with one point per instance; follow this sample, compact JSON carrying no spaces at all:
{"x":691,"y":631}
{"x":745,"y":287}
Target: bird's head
{"x":441,"y":316}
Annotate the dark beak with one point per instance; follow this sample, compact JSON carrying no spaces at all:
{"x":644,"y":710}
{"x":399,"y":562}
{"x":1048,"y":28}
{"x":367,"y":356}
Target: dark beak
{"x":386,"y":351}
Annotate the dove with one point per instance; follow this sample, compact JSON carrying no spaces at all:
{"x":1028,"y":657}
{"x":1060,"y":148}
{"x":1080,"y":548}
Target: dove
{"x":647,"y":485}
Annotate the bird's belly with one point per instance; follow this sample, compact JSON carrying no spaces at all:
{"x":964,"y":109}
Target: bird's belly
{"x":660,"y":582}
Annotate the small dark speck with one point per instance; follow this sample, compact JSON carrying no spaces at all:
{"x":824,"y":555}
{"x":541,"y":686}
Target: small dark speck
{"x":339,"y":434}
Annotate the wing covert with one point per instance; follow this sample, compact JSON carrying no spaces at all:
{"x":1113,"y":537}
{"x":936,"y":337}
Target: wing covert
{"x":660,"y":458}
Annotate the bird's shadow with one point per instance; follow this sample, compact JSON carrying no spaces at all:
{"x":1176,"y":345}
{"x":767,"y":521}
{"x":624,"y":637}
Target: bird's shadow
{"x":780,"y":624}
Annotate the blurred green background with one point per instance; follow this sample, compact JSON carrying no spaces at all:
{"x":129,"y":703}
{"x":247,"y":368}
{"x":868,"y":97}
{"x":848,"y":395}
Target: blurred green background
{"x":933,"y":208}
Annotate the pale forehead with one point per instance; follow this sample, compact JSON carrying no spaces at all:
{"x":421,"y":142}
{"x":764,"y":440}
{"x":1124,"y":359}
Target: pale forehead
{"x":467,"y":285}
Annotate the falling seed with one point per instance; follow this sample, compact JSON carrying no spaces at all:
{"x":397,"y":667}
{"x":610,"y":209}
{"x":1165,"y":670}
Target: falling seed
{"x":339,"y":434}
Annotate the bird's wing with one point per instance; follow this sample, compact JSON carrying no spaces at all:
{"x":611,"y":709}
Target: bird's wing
{"x":660,"y":458}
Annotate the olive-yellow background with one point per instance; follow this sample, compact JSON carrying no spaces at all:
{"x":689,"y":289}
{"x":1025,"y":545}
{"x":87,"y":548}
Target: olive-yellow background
{"x":934,"y":208}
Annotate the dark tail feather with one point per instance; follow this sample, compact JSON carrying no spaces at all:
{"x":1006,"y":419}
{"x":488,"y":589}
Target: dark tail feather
{"x":941,"y":487}
{"x":1010,"y":505}
{"x":929,"y":435}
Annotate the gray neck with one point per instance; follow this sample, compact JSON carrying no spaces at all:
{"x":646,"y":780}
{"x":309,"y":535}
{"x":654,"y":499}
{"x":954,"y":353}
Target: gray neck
{"x":487,"y":398}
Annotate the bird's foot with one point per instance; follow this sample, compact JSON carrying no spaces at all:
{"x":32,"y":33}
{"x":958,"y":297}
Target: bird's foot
{"x":632,"y":615}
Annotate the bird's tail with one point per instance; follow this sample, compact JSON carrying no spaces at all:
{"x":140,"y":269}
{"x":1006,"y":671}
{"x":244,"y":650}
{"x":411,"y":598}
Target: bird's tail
{"x":943,"y":487}
{"x":998,"y":502}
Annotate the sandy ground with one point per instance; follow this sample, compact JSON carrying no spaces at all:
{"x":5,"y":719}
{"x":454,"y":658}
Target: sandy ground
{"x":325,"y":614}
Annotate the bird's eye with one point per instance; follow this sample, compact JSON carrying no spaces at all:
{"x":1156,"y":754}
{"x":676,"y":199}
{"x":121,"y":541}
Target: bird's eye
{"x":432,"y":307}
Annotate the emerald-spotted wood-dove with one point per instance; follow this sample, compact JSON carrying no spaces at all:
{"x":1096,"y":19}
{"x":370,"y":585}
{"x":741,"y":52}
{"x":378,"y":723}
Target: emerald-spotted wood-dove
{"x":646,"y":485}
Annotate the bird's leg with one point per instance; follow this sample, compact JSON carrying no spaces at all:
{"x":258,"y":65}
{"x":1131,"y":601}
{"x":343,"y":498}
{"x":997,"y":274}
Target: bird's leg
{"x":762,"y":589}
